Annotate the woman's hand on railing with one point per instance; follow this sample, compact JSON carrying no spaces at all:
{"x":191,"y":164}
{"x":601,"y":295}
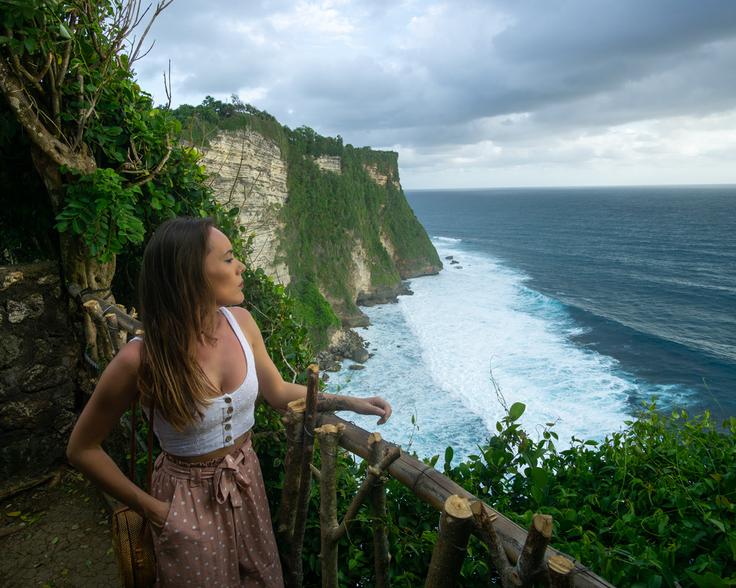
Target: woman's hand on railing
{"x":374,"y":405}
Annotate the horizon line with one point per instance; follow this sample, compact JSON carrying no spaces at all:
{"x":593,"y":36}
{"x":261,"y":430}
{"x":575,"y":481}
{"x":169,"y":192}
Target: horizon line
{"x":579,"y":186}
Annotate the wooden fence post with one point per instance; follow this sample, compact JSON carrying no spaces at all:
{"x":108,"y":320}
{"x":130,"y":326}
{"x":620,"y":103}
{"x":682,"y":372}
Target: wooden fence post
{"x":452,"y":541}
{"x":295,"y":502}
{"x":377,"y":509}
{"x":484,"y":523}
{"x":328,"y":436}
{"x":560,"y":572}
{"x":531,"y":558}
{"x":293,"y":423}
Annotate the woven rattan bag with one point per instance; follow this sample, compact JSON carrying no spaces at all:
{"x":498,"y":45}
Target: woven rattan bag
{"x":131,"y":533}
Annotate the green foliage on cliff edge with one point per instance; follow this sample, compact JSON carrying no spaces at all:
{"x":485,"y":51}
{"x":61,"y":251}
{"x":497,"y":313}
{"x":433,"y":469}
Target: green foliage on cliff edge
{"x":327,"y":213}
{"x":651,"y":505}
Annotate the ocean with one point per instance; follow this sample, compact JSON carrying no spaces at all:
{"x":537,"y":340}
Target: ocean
{"x":582,"y":303}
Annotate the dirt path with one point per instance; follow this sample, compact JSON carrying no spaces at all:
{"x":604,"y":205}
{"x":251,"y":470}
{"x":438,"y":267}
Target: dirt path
{"x":57,"y":536}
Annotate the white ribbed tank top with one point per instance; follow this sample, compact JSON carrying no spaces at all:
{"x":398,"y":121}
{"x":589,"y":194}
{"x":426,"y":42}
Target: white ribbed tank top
{"x":224,"y":419}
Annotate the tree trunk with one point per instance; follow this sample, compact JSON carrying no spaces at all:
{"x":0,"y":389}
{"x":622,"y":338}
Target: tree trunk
{"x":77,"y":266}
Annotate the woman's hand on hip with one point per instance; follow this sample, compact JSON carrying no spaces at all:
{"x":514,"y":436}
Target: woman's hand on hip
{"x":157,"y":512}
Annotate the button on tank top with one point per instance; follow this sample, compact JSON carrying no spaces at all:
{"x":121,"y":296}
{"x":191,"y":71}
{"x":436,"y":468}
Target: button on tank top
{"x":225,"y":418}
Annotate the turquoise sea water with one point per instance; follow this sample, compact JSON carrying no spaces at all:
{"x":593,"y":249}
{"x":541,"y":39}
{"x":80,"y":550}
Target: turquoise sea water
{"x":581,"y":303}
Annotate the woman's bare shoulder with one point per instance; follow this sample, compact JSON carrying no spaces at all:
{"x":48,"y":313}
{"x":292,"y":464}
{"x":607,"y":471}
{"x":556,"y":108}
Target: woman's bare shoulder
{"x":242,"y":315}
{"x":118,"y":384}
{"x":246,"y":321}
{"x":128,"y":359}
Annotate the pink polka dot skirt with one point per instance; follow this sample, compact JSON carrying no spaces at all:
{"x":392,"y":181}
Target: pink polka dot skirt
{"x":218,"y":531}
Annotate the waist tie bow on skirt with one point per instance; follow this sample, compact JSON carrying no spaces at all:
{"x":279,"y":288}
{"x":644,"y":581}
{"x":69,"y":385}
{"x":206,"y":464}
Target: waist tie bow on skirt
{"x":218,"y":531}
{"x":229,"y":476}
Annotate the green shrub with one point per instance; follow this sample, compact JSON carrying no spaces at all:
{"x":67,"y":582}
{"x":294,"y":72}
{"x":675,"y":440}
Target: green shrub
{"x":648,"y":506}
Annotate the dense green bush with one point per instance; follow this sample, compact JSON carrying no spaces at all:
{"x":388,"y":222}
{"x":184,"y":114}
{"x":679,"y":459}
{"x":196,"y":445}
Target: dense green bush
{"x":648,"y":506}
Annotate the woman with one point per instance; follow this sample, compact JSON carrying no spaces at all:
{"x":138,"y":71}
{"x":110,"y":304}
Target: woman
{"x":200,"y":365}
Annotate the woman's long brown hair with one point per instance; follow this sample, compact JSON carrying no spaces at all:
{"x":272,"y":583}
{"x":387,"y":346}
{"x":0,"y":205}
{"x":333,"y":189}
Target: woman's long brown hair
{"x":176,"y":304}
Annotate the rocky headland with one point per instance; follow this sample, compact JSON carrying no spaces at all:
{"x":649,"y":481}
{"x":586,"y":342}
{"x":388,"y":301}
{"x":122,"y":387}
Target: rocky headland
{"x":365,"y":240}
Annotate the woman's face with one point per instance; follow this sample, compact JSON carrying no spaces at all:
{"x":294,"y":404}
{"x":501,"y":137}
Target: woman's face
{"x":222,"y":270}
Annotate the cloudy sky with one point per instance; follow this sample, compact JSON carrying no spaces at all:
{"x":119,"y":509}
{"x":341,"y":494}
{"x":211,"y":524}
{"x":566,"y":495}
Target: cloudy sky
{"x":477,"y":93}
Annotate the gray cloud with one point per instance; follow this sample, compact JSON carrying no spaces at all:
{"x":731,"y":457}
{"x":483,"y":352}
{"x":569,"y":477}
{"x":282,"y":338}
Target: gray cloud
{"x":534,"y":79}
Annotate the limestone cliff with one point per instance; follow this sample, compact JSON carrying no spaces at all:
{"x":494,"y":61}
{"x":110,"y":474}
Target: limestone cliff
{"x":338,"y":221}
{"x":246,"y":171}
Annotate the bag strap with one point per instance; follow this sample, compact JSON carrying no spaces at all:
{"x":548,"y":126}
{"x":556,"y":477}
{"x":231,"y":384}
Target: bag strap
{"x":133,"y":444}
{"x":151,"y":412}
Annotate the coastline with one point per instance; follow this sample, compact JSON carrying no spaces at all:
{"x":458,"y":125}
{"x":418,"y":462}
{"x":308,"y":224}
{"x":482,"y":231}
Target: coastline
{"x":346,"y":343}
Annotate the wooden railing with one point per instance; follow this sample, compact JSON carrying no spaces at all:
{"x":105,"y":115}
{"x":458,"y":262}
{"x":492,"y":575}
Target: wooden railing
{"x":521,"y":558}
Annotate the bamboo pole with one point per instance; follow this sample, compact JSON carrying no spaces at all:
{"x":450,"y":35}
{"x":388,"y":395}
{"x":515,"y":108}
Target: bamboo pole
{"x":328,"y":436}
{"x":377,"y":509}
{"x":329,"y":403}
{"x":531,"y":558}
{"x":452,"y":541}
{"x":561,"y":572}
{"x":434,"y":488}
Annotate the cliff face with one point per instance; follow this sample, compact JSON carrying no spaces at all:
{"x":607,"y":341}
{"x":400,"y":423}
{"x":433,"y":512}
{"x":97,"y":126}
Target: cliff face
{"x":246,"y":171}
{"x":340,"y":222}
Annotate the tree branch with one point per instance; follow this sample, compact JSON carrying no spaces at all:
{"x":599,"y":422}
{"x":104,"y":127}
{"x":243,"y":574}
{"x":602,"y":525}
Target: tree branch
{"x":37,"y":132}
{"x":156,"y":169}
{"x":373,"y":474}
{"x":160,"y":7}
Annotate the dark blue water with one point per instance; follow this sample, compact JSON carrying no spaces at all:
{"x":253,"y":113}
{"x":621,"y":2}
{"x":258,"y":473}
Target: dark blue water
{"x":648,"y":272}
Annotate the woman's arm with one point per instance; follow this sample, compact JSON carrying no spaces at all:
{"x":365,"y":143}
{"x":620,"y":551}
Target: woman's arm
{"x":278,"y":393}
{"x":115,"y":391}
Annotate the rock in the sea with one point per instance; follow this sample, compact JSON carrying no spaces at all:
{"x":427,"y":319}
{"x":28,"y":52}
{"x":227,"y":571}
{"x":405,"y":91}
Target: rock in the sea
{"x":360,"y":355}
{"x":345,"y":344}
{"x":356,"y":366}
{"x":335,"y":366}
{"x":458,"y":267}
{"x":454,"y":262}
{"x":348,"y":344}
{"x":383,"y":295}
{"x":448,"y":257}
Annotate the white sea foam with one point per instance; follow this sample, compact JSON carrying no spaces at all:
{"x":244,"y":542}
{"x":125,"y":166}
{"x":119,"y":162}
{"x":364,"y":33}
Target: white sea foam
{"x":436,"y":352}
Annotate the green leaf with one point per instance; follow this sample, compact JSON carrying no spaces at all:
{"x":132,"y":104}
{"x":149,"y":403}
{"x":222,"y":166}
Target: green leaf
{"x":449,"y":452}
{"x":539,"y":477}
{"x":708,"y":580}
{"x":64,"y":32}
{"x":517,"y":409}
